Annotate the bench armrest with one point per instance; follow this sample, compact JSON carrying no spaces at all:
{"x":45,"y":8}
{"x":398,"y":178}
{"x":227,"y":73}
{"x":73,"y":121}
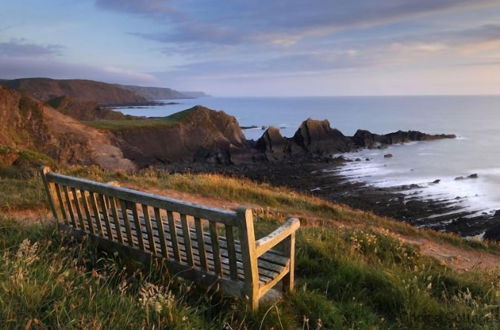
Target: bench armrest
{"x":266,"y":243}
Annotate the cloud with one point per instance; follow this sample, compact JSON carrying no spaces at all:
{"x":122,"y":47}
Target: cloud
{"x":11,"y":68}
{"x":431,"y":50}
{"x":23,"y":48}
{"x":274,"y":22}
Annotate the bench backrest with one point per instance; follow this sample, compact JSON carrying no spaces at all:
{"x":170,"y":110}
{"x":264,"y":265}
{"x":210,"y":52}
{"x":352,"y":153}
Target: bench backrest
{"x":146,"y":221}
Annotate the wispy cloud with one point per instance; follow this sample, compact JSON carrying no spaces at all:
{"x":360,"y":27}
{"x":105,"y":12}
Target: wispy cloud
{"x":24,"y":48}
{"x":273,"y":21}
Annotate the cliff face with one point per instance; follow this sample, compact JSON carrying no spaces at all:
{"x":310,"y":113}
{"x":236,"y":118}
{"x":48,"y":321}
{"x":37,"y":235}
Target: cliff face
{"x":27,"y":123}
{"x":44,"y":89}
{"x":200,"y":135}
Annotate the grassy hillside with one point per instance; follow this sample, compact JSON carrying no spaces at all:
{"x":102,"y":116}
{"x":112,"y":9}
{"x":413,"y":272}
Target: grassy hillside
{"x":352,"y":270}
{"x":117,"y":124}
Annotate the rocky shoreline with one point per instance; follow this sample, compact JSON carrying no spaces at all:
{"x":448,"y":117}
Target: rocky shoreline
{"x":322,"y":179}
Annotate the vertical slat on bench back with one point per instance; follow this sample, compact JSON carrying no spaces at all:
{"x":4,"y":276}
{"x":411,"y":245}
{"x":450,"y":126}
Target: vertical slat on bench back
{"x":97,"y":213}
{"x":116,"y":219}
{"x":161,"y":233}
{"x":173,"y":235}
{"x":137,"y":224}
{"x":200,"y":237}
{"x":187,"y":239}
{"x":69,"y":206}
{"x":86,"y":208}
{"x":149,"y":229}
{"x":61,"y":204}
{"x":105,"y":216}
{"x":126,"y":221}
{"x":76,"y":203}
{"x":231,"y":251}
{"x":215,"y":248}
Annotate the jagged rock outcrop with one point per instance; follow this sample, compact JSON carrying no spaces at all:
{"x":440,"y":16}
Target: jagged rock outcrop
{"x":318,"y":138}
{"x":366,"y":139}
{"x":200,"y":135}
{"x":274,"y":146}
{"x":29,"y":124}
{"x":84,"y":110}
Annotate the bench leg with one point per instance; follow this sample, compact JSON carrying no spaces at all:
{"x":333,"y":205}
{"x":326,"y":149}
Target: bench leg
{"x":254,"y":302}
{"x":289,"y":279}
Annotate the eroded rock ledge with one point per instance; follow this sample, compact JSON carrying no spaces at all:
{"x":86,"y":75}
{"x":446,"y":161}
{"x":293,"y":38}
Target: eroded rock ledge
{"x":316,"y":139}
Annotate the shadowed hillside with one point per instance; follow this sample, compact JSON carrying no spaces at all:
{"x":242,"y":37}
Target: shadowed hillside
{"x":29,"y":124}
{"x":45,"y":89}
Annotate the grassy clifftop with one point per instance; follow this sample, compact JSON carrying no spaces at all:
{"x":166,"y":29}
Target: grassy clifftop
{"x":167,"y":121}
{"x":354,"y":269}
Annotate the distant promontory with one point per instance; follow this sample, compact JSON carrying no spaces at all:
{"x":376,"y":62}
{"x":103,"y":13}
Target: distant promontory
{"x":45,"y":89}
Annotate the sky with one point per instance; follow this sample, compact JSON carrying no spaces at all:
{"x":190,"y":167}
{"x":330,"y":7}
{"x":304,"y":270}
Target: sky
{"x":259,"y":48}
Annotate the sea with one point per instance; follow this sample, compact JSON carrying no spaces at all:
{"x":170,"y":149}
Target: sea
{"x":474,"y":119}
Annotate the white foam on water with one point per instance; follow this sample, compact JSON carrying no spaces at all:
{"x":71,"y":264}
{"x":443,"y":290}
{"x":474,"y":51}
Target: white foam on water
{"x":472,"y":194}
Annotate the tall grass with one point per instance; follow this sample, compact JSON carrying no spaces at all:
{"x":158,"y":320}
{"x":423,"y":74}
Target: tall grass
{"x":347,"y":277}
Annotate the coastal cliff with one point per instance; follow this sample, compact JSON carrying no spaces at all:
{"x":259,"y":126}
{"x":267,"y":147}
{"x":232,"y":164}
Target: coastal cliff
{"x":101,"y":93}
{"x":44,"y":89}
{"x":194,"y":135}
{"x":29,"y":124}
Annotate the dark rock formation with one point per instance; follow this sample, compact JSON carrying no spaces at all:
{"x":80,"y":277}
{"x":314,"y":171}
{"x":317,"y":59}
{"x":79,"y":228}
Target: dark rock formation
{"x":471,"y":176}
{"x":366,"y":139}
{"x":318,"y":138}
{"x":493,"y":234}
{"x":29,"y":124}
{"x":273,"y":144}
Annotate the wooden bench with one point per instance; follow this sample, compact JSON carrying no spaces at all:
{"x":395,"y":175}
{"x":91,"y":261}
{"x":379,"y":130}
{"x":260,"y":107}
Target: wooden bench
{"x":213,"y":247}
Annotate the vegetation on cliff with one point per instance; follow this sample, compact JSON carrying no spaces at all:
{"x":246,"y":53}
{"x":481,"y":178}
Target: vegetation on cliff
{"x":85,"y":110}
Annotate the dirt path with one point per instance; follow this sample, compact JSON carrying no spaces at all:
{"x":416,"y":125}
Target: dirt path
{"x":460,"y":259}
